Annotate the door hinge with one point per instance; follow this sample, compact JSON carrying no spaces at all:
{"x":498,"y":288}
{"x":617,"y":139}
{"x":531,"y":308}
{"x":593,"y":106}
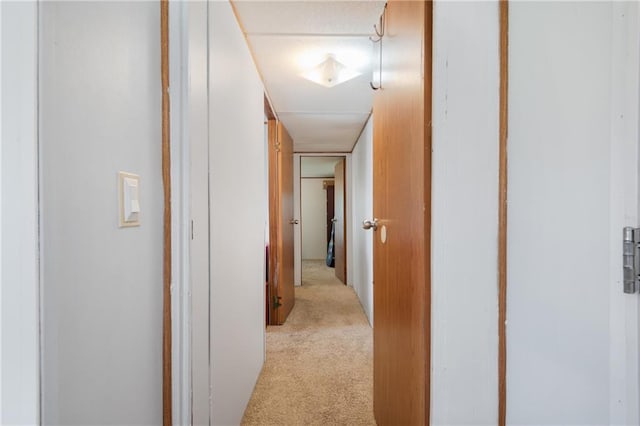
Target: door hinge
{"x":631,"y":259}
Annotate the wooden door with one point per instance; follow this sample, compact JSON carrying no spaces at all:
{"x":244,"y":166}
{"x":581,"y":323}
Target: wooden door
{"x":339,"y":237}
{"x":281,"y":223}
{"x":402,"y":204}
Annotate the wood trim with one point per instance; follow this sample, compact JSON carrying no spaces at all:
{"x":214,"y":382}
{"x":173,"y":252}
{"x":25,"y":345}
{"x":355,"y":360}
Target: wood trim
{"x":268,"y":111}
{"x":502,"y":214}
{"x":428,"y":170}
{"x":323,"y":154}
{"x":166,"y":183}
{"x":319,"y":177}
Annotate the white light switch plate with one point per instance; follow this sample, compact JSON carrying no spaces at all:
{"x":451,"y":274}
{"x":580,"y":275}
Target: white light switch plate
{"x":129,"y":199}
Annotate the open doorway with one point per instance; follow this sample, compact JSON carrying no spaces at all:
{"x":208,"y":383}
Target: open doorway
{"x":322,"y":217}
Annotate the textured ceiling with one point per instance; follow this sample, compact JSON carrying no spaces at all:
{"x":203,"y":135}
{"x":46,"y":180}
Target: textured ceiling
{"x":289,"y":37}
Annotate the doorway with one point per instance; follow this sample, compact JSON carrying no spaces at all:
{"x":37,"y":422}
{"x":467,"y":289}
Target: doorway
{"x":321,"y":205}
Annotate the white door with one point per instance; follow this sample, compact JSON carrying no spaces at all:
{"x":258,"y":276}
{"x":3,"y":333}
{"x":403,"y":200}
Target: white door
{"x":572,"y":334}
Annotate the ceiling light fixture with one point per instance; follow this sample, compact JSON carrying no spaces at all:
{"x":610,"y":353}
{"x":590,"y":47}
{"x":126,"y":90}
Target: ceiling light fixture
{"x":330,"y":72}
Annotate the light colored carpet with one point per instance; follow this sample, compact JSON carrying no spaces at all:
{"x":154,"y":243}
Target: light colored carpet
{"x":319,"y":366}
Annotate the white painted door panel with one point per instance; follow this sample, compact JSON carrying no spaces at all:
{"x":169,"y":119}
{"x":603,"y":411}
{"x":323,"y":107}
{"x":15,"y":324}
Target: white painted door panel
{"x":572,"y":335}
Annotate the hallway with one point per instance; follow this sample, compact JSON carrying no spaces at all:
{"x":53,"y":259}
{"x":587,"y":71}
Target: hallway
{"x":319,"y":364}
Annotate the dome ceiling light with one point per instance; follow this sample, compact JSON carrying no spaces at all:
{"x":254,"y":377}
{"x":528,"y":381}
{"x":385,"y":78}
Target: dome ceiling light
{"x":330,"y":72}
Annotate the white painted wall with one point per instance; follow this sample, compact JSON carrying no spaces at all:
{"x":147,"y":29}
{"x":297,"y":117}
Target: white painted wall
{"x":237,"y":201}
{"x":19,"y":275}
{"x":313,"y":218}
{"x":573,"y":157}
{"x":100,"y":112}
{"x":464,"y":220}
{"x":361,"y":194}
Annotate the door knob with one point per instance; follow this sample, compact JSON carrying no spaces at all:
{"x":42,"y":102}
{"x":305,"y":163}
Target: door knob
{"x":294,"y":221}
{"x":368,"y":224}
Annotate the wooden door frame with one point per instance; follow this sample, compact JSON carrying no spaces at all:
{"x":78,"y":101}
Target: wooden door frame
{"x":348,"y":206}
{"x":167,"y":400}
{"x":502,"y":211}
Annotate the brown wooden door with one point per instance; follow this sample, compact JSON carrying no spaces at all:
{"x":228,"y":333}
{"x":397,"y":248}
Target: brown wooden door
{"x":402,"y":204}
{"x":339,"y":241}
{"x":281,"y":288}
{"x":274,"y":209}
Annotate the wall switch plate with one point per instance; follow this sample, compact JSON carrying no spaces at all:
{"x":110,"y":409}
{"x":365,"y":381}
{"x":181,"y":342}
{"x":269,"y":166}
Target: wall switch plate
{"x":129,"y":198}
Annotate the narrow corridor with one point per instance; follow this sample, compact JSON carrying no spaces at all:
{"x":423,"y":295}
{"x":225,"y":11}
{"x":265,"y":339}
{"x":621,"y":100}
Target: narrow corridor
{"x":319,"y":364}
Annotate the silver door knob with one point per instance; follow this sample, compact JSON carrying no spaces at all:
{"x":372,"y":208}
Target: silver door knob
{"x":294,"y":221}
{"x":368,"y":224}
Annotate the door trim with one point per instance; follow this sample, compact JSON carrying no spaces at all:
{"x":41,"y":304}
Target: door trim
{"x":180,"y":171}
{"x":427,"y":68}
{"x":502,"y":213}
{"x":297,"y":205}
{"x":166,"y":185}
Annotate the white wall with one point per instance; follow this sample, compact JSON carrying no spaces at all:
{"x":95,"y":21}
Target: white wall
{"x":361,"y":194}
{"x":100,"y":112}
{"x":313,"y":218}
{"x":464,"y":220}
{"x":573,"y":138}
{"x":19,"y":277}
{"x":237,"y":224}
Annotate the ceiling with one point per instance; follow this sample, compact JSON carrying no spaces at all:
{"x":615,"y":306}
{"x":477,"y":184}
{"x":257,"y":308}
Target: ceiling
{"x":289,"y":37}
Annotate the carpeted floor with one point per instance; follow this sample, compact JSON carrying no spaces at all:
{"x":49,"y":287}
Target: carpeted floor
{"x":319,"y":366}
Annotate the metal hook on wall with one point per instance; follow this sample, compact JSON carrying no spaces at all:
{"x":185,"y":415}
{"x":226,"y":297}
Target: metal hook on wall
{"x":380,"y":33}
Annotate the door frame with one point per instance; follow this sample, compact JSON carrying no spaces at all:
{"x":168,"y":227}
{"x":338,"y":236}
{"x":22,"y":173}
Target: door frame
{"x":624,"y":309}
{"x":297,"y":211}
{"x":180,"y":41}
